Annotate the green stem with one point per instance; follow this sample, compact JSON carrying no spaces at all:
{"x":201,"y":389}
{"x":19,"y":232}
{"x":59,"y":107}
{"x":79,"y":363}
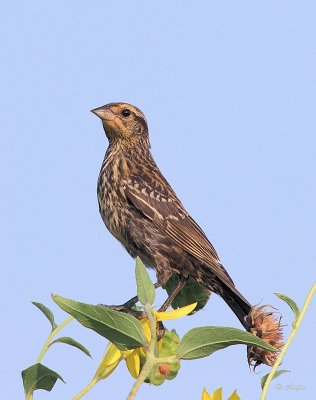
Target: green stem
{"x":153,"y":327}
{"x":141,"y":377}
{"x":288,"y":342}
{"x":151,"y":359}
{"x":50,"y":338}
{"x":86,"y":389}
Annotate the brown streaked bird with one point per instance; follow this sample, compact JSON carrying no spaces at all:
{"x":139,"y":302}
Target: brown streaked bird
{"x":139,"y":208}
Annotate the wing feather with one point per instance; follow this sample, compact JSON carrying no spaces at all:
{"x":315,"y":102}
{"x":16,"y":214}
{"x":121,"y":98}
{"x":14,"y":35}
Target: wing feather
{"x":158,"y":202}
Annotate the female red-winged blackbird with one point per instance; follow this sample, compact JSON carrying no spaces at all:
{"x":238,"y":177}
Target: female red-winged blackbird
{"x":141,"y":210}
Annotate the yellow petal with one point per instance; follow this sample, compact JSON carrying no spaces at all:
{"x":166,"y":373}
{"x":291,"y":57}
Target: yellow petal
{"x":146,"y":328}
{"x":109,"y":361}
{"x":142,"y":352}
{"x":217,"y":395}
{"x":125,"y":353}
{"x":234,"y":396}
{"x":133,"y":363}
{"x":112,"y":354}
{"x":205,"y":395}
{"x":178,"y":313}
{"x":108,"y":370}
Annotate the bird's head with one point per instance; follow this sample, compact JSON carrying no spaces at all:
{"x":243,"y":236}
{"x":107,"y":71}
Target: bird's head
{"x":123,"y":122}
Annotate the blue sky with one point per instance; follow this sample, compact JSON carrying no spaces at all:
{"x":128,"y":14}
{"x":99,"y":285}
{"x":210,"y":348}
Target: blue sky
{"x":228,"y":89}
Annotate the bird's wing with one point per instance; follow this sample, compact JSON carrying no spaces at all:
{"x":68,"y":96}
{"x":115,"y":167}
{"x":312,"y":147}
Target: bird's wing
{"x":152,"y":195}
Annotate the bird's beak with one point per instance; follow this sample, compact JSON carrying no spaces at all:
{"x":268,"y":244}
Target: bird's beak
{"x":104,"y":113}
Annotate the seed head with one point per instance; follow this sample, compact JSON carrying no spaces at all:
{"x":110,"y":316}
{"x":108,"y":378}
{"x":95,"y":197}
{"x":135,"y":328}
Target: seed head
{"x":264,"y":324}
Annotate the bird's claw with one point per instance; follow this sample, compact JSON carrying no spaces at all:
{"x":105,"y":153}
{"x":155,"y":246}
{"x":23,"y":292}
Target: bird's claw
{"x":125,"y":308}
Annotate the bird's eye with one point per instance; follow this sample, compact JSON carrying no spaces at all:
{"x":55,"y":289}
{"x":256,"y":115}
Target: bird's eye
{"x":126,"y":112}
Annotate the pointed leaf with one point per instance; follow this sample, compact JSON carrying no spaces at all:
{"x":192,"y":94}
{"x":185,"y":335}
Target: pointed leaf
{"x":203,"y":341}
{"x":145,"y":288}
{"x":47,"y":312}
{"x":72,"y":342}
{"x":292,"y":304}
{"x":191,"y":292}
{"x":276,"y":374}
{"x":121,"y":329}
{"x":39,"y":377}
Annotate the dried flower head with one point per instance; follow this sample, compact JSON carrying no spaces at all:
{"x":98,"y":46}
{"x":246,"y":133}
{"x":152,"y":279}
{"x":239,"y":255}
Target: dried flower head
{"x":264,"y":324}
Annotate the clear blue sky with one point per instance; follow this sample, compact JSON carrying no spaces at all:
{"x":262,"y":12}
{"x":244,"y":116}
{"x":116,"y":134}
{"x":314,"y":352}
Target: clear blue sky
{"x":228,"y":89}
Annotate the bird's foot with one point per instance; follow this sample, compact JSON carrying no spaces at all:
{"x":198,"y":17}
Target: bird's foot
{"x":125,"y":308}
{"x":128,"y":306}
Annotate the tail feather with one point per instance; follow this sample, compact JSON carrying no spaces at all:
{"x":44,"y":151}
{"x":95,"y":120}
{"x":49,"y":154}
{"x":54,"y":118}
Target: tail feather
{"x":228,"y":292}
{"x":237,"y":303}
{"x":258,"y":320}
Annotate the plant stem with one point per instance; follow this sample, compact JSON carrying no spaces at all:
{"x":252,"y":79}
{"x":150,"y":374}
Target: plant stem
{"x":141,"y":377}
{"x":288,"y":342}
{"x":86,"y":389}
{"x":50,"y":338}
{"x":151,"y":360}
{"x":153,"y":326}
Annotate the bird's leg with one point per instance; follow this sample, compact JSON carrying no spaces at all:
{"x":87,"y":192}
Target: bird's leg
{"x":127,"y":307}
{"x":164,"y":273}
{"x":131,"y":302}
{"x":174,"y":294}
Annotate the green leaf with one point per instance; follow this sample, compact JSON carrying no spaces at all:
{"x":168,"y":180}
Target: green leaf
{"x":203,"y":341}
{"x":192,"y":292}
{"x":292,"y":304}
{"x":123,"y":330}
{"x":145,"y":288}
{"x":39,"y":377}
{"x":72,"y":342}
{"x":275,"y":375}
{"x":47,"y":312}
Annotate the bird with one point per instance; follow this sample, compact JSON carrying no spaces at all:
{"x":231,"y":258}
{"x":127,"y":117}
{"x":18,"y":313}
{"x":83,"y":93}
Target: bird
{"x":142,"y":211}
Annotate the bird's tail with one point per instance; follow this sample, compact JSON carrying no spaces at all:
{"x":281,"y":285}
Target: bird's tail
{"x":226,"y":289}
{"x":258,"y":320}
{"x":237,"y":303}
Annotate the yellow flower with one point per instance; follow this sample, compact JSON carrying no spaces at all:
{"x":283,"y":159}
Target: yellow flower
{"x":218,"y":395}
{"x":113,"y":355}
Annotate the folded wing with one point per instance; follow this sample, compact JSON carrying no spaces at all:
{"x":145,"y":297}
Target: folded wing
{"x":152,"y":195}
